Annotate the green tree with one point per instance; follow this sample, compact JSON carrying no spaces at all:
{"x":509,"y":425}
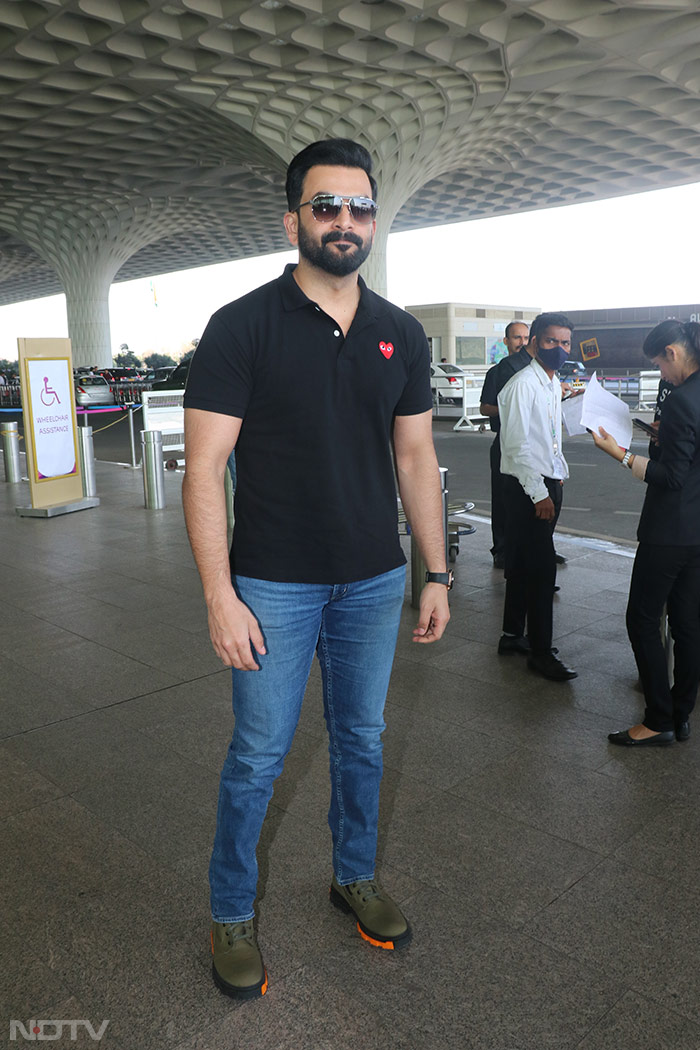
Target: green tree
{"x":158,"y":360}
{"x":127,"y":360}
{"x":8,"y":366}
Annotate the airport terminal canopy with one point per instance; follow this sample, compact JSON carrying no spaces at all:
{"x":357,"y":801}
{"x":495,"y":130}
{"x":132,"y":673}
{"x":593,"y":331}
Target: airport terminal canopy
{"x":140,"y":137}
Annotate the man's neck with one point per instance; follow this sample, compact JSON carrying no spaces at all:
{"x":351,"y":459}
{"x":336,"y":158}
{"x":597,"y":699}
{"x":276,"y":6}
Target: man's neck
{"x":320,"y":286}
{"x":549,"y":371}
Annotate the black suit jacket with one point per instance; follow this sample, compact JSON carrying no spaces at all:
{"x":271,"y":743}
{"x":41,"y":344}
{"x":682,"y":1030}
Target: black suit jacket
{"x":671,"y":511}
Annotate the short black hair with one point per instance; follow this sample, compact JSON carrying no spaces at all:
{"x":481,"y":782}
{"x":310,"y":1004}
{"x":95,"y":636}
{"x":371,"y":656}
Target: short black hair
{"x":544,"y":321}
{"x":510,"y":325}
{"x":340,"y":153}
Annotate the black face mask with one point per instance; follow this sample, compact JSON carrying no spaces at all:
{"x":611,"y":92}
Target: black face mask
{"x":552,"y":357}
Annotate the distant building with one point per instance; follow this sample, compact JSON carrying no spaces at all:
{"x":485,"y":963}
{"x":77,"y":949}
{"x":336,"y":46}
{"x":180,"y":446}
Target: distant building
{"x":619,"y":333}
{"x":466,"y":334}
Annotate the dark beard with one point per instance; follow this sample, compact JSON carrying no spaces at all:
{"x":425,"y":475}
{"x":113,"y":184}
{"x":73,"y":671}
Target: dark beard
{"x":338,"y":264}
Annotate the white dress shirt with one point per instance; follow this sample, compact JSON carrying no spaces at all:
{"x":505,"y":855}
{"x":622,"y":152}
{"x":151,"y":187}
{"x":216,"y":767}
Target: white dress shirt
{"x":529,"y":407}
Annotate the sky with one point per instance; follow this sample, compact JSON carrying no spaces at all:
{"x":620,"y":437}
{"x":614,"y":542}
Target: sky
{"x":629,"y":251}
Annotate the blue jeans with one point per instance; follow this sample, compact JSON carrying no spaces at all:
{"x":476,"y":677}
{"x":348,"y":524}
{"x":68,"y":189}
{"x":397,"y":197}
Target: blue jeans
{"x":353,"y":628}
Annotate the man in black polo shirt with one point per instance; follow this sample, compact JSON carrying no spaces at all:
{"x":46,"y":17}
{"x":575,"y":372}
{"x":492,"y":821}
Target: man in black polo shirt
{"x":516,"y":340}
{"x":313,"y":378}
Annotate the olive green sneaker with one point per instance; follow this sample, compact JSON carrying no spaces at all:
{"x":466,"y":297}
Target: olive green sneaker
{"x":379,"y":920}
{"x":237,"y":965}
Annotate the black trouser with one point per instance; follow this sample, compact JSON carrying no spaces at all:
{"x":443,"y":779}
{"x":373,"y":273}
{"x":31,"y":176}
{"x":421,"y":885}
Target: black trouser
{"x":670,"y":576}
{"x":498,"y":510}
{"x":530,"y":566}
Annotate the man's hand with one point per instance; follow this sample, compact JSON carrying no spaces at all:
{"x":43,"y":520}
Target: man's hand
{"x":233,"y":629}
{"x":434,"y":613}
{"x":544,"y":509}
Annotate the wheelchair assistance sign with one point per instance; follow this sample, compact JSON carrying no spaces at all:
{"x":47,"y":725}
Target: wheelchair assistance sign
{"x":50,"y":429}
{"x":50,"y":390}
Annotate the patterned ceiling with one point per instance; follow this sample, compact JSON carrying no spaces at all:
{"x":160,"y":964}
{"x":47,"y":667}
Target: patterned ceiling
{"x":156,"y":134}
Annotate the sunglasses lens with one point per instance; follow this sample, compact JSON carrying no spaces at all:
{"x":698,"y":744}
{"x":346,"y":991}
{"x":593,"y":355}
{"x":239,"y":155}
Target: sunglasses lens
{"x":326,"y":208}
{"x":362,"y":209}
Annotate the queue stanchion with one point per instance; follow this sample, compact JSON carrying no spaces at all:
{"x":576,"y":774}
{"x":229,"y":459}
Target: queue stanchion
{"x":10,"y":449}
{"x":87,"y":461}
{"x":132,"y":443}
{"x":418,"y":566}
{"x":153,"y":475}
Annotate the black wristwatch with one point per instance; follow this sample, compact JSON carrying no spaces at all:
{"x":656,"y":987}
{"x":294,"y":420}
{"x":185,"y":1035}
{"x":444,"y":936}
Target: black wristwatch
{"x":448,"y":578}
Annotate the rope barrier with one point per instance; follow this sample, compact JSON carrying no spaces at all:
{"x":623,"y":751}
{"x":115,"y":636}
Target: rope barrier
{"x":86,"y":412}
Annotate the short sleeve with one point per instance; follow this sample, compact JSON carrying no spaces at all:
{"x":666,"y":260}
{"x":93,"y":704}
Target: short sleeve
{"x":489,"y":391}
{"x":221,"y":374}
{"x":416,"y":396}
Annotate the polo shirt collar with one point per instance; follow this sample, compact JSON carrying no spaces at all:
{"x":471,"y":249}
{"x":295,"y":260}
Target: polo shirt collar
{"x":293,"y":298}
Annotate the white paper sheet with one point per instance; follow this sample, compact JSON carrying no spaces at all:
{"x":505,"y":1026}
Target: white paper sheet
{"x":603,"y":409}
{"x":571,"y":410}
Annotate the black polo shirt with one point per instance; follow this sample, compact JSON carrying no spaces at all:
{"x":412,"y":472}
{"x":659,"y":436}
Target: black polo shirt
{"x":498,"y":376}
{"x":315,"y":497}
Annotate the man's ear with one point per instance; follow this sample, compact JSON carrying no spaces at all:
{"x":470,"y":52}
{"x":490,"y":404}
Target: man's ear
{"x":291,"y":225}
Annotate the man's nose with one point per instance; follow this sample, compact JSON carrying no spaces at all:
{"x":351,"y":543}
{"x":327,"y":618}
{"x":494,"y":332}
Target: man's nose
{"x":344,"y":217}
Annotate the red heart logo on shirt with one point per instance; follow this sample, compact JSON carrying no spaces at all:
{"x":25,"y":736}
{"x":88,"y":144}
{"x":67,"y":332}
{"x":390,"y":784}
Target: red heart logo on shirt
{"x":387,"y":349}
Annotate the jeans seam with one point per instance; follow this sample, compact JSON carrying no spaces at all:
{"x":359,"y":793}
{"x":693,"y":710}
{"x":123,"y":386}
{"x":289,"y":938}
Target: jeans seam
{"x":337,"y":778}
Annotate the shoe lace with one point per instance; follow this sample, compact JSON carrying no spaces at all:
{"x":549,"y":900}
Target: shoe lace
{"x":367,"y":890}
{"x":239,"y":931}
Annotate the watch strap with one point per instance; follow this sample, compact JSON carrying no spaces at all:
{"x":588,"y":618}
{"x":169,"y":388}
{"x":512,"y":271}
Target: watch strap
{"x":446,"y":578}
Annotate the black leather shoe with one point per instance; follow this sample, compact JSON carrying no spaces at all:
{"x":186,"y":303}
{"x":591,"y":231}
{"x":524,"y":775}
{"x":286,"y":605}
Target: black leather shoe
{"x":623,"y":739}
{"x":556,"y":588}
{"x":499,"y":562}
{"x":560,"y":559}
{"x":508,"y":644}
{"x":682,"y":730}
{"x":550,"y":666}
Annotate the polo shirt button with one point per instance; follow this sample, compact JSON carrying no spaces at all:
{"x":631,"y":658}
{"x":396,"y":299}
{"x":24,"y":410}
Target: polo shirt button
{"x":336,"y":332}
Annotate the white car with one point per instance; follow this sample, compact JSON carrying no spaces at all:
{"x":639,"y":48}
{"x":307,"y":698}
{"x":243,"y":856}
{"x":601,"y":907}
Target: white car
{"x":447,"y":382}
{"x":92,"y":390}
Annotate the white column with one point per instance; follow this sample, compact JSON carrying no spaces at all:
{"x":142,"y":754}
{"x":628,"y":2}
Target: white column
{"x":87,"y":306}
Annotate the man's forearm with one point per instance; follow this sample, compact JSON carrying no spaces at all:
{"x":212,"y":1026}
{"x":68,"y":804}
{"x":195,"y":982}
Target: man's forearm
{"x":419,"y":488}
{"x":204,"y":503}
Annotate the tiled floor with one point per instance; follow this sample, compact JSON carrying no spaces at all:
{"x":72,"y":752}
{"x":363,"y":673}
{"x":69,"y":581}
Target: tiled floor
{"x":552,"y":881}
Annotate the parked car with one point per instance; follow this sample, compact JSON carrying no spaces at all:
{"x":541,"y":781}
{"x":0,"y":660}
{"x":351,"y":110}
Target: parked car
{"x":572,"y":370}
{"x":446,"y":381}
{"x":177,"y":380}
{"x":157,"y":375}
{"x":120,"y":375}
{"x":92,"y":390}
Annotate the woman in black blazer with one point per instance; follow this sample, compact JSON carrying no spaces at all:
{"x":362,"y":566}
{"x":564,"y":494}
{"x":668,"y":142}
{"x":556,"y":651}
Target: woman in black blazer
{"x":667,"y":564}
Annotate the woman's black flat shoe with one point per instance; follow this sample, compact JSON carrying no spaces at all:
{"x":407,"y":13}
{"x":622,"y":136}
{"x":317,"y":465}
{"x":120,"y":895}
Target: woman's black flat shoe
{"x":623,"y":739}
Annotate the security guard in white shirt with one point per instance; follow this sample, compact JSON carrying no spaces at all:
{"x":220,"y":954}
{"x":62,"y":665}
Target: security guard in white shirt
{"x":533,"y":463}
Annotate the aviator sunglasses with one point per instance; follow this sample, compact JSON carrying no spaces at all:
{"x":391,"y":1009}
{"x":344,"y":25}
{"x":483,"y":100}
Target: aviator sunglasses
{"x":325,"y":207}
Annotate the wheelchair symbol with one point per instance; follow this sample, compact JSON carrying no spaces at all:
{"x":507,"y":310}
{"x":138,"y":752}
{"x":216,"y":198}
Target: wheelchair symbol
{"x":48,"y":393}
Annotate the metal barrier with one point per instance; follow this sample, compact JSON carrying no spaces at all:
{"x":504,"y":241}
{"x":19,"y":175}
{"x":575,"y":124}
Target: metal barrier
{"x":10,"y":396}
{"x":10,"y":448}
{"x":648,"y":389}
{"x":87,"y":460}
{"x":163,"y":411}
{"x":471,"y":418}
{"x":418,"y":566}
{"x":153,"y":476}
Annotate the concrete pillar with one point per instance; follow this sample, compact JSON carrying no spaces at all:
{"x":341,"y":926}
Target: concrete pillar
{"x":87,"y":305}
